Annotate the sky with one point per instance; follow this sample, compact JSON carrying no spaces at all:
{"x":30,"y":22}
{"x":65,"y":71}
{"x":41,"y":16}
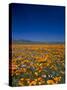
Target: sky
{"x":38,"y":22}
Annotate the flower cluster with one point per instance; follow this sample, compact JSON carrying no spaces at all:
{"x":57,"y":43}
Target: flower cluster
{"x":38,"y":64}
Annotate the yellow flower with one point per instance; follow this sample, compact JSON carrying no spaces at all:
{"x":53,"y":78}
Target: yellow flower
{"x":28,"y":81}
{"x":22,"y":79}
{"x":36,"y":80}
{"x":36,"y":73}
{"x":40,"y":83}
{"x":57,"y":79}
{"x":33,"y":83}
{"x":50,"y":82}
{"x":20,"y":83}
{"x":24,"y":70}
{"x":39,"y":78}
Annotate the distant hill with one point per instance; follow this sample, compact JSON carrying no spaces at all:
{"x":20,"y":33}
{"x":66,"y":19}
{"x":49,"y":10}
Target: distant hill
{"x":22,"y":41}
{"x":34,"y":42}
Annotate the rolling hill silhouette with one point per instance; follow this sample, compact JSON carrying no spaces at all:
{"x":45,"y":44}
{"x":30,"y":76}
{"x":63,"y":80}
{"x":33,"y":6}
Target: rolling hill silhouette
{"x":22,"y":41}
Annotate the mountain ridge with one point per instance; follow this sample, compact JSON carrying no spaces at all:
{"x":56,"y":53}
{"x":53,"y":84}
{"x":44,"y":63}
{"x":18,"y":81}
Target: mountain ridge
{"x":23,"y":41}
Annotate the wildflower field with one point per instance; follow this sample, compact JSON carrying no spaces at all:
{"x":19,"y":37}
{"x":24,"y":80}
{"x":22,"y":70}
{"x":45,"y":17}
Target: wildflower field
{"x":38,"y":64}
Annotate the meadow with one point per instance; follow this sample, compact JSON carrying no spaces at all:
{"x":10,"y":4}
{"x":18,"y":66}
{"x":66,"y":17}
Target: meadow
{"x":38,"y":64}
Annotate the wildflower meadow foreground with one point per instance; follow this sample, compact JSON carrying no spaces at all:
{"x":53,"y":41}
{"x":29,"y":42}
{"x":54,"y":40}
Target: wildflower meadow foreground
{"x":38,"y":64}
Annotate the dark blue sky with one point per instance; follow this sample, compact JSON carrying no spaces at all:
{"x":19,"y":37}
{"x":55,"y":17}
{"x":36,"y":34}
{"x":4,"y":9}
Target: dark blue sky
{"x":38,"y":23}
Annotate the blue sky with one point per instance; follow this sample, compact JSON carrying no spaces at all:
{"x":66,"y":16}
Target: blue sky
{"x":38,"y":23}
